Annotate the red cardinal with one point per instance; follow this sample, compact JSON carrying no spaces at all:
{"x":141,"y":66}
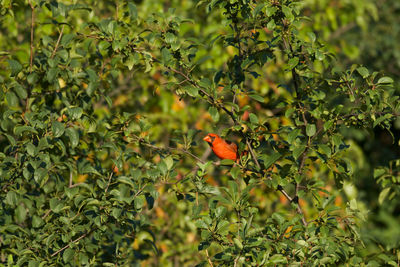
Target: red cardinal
{"x":223,"y":149}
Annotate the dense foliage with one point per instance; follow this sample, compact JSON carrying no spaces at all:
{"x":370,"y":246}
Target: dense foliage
{"x":104,"y":105}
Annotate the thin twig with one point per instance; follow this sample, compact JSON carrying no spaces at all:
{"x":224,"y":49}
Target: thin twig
{"x":71,"y":184}
{"x":58,"y":42}
{"x":302,"y":109}
{"x":209,"y":259}
{"x":46,"y":214}
{"x":236,"y":261}
{"x":67,"y":246}
{"x":75,"y":185}
{"x":32,"y":28}
{"x":144,"y":142}
{"x":253,"y":155}
{"x":109,"y":181}
{"x":233,"y":101}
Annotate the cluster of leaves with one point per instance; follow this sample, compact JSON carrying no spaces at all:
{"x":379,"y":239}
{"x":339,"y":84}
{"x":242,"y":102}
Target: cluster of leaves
{"x":92,"y":159}
{"x":366,"y":32}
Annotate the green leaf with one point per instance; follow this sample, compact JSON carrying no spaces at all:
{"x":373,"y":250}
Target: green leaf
{"x":257,"y":98}
{"x":379,"y":172}
{"x":302,"y":243}
{"x":385,"y":80}
{"x":220,"y":212}
{"x":293,"y":135}
{"x":68,"y":255}
{"x":319,"y":55}
{"x":237,"y":243}
{"x":310,"y":129}
{"x":363,"y":72}
{"x":132,"y":60}
{"x":52,"y":74}
{"x":325,"y":149}
{"x":58,"y":129}
{"x":298,"y":151}
{"x":289,"y":112}
{"x":10,"y":260}
{"x":55,"y":205}
{"x":170,"y":37}
{"x":75,"y":112}
{"x":235,"y":171}
{"x":32,"y":78}
{"x":253,"y":118}
{"x":383,"y":194}
{"x":162,"y":167}
{"x":288,"y":12}
{"x":12,"y":99}
{"x":271,"y":24}
{"x":169,"y":162}
{"x":328,"y":125}
{"x":116,"y":213}
{"x":20,"y":129}
{"x":66,"y":39}
{"x":20,"y":213}
{"x":40,"y":173}
{"x":277,"y":259}
{"x":214,"y":113}
{"x":132,"y":11}
{"x":73,"y":135}
{"x":293,"y":62}
{"x":139,"y":202}
{"x":21,"y":92}
{"x":337,"y":140}
{"x":15,"y":67}
{"x":381,"y":119}
{"x":31,"y":149}
{"x":37,"y":221}
{"x":63,"y":54}
{"x":270,"y":10}
{"x":201,"y":224}
{"x":93,"y":77}
{"x":103,"y":47}
{"x":205,"y":83}
{"x":166,"y":56}
{"x":11,"y":198}
{"x":233,"y":188}
{"x":227,"y":162}
{"x":191,"y":90}
{"x":271,"y":159}
{"x":257,"y":9}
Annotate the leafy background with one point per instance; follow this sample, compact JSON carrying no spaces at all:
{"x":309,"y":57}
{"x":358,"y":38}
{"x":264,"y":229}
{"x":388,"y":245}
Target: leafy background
{"x":102,"y":160}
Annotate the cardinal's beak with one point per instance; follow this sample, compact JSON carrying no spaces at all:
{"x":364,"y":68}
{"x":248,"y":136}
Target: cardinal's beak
{"x":207,"y":139}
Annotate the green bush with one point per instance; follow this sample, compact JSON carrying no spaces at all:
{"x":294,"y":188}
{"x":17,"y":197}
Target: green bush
{"x":103,"y":109}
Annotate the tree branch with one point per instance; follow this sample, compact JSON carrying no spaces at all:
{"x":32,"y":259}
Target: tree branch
{"x":209,"y":259}
{"x":67,"y":246}
{"x":58,"y":42}
{"x":144,"y":142}
{"x":296,"y":82}
{"x":109,"y":181}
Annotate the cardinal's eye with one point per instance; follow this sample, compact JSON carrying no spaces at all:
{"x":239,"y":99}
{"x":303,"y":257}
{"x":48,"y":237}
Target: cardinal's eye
{"x":212,"y":139}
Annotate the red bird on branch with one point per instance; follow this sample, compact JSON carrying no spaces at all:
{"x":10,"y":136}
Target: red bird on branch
{"x":222,"y":149}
